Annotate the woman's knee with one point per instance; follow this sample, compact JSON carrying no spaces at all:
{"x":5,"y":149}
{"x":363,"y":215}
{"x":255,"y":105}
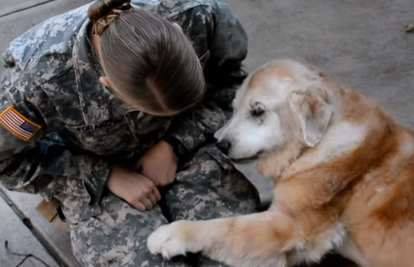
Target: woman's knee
{"x":117,"y":236}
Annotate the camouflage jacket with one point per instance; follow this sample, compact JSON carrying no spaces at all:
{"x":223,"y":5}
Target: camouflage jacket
{"x":61,"y":129}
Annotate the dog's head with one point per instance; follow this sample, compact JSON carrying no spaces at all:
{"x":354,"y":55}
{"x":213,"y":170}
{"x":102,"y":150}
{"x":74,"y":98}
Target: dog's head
{"x":283,"y":102}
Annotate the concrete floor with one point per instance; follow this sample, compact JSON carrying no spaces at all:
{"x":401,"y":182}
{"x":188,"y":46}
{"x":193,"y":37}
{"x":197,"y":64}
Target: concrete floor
{"x":360,"y":43}
{"x":20,"y":240}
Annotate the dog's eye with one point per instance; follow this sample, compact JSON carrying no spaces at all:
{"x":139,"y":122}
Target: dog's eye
{"x":257,"y":112}
{"x":257,"y":109}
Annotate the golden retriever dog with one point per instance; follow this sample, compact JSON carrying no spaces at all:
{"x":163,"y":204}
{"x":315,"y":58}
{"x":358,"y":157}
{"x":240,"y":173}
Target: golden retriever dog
{"x":343,"y":172}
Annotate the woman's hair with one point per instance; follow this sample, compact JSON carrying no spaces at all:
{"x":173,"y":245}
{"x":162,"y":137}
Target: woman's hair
{"x":149,"y":62}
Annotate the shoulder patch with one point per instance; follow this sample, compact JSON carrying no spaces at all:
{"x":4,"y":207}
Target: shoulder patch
{"x":18,"y":125}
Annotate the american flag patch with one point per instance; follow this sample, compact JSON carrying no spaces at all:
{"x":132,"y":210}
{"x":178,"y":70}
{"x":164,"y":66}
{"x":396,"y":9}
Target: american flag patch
{"x":18,"y":125}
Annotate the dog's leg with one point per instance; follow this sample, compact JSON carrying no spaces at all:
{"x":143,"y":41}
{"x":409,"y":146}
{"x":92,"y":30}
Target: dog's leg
{"x":252,"y":240}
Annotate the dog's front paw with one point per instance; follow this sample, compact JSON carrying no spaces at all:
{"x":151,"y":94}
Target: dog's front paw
{"x":172,"y":240}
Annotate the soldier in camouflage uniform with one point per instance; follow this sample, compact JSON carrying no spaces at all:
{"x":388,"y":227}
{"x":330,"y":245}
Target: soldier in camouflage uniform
{"x":62,"y":131}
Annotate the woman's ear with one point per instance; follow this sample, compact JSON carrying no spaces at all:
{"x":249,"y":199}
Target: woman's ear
{"x":177,"y":26}
{"x":105,"y":81}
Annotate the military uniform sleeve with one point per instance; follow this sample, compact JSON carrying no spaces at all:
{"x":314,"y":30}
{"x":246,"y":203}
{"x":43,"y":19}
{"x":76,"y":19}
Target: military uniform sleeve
{"x":227,"y":47}
{"x":229,"y":42}
{"x":32,"y":163}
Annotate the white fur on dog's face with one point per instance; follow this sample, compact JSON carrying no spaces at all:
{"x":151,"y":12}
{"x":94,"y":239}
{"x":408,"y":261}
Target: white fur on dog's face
{"x":257,"y":126}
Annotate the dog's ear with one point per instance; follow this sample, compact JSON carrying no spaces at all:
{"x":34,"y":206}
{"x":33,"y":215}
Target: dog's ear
{"x":313,"y":114}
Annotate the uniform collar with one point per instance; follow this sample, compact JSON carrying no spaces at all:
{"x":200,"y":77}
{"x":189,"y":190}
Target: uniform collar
{"x":97,"y":102}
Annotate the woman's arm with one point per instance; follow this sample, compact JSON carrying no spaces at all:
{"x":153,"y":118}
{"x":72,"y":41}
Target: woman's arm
{"x":29,"y":164}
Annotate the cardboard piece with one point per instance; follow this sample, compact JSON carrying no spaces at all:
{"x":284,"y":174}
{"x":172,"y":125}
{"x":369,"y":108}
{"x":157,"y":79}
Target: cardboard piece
{"x":48,"y":210}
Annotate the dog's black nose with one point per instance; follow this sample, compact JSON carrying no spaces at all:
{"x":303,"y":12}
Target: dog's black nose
{"x":224,"y":146}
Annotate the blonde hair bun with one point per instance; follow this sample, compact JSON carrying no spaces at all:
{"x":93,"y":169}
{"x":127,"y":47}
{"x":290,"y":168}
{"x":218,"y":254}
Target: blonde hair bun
{"x":102,"y":8}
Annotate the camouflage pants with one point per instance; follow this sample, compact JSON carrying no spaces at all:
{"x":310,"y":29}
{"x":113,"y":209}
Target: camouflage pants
{"x":203,"y":189}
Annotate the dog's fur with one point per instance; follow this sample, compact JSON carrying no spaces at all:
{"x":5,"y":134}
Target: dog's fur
{"x":343,"y":171}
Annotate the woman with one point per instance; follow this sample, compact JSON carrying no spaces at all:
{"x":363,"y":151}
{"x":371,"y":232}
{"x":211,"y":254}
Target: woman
{"x":105,"y":109}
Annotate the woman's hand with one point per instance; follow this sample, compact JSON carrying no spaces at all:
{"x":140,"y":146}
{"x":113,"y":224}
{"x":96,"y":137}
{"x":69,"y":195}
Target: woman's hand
{"x":159,"y":164}
{"x":134,"y":188}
